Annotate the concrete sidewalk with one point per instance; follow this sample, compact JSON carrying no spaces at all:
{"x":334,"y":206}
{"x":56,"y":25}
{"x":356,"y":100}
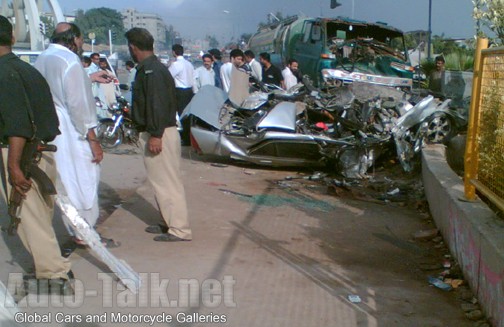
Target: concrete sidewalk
{"x":472,"y":231}
{"x":266,"y":252}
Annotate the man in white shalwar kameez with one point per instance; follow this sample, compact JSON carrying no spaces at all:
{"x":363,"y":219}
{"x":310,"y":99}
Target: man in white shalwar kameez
{"x":79,"y":152}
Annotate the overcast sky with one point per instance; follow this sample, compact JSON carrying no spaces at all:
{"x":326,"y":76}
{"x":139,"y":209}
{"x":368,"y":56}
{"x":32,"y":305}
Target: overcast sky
{"x":224,"y":18}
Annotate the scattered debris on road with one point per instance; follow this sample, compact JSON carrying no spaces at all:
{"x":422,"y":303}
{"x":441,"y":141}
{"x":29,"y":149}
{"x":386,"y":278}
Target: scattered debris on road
{"x":354,"y":299}
{"x":439,"y":283}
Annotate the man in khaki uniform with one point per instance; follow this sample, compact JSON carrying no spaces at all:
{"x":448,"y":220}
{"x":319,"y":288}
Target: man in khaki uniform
{"x":27,"y":111}
{"x":154,"y":112}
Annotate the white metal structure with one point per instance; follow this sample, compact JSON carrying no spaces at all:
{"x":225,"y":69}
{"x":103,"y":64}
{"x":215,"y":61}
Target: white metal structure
{"x":25,"y":16}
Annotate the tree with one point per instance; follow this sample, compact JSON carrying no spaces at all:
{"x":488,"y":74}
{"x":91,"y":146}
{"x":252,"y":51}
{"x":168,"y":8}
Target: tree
{"x":409,"y":41}
{"x":171,"y":36}
{"x":100,"y":21}
{"x":212,"y":41}
{"x":48,"y":26}
{"x":489,"y":13}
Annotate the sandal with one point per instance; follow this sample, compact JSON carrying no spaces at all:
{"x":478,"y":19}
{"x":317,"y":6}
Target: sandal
{"x":107,"y":242}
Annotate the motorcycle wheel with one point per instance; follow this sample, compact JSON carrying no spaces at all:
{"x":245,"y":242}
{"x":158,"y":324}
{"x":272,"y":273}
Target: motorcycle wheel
{"x":131,"y":132}
{"x":440,"y":128}
{"x":109,"y":140}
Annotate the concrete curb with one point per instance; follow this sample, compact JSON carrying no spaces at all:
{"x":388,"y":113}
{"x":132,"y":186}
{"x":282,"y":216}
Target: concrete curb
{"x":472,"y":231}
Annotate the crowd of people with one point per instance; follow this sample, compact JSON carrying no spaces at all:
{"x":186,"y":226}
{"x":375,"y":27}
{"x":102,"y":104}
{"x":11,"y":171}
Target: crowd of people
{"x":57,"y":105}
{"x":259,"y":71}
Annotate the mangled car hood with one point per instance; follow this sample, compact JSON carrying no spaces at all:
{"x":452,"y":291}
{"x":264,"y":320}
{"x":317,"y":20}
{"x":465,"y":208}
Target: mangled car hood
{"x":206,"y":105}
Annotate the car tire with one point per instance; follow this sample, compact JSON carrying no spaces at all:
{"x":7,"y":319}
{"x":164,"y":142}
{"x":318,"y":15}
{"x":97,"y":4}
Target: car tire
{"x":455,"y":152}
{"x":440,"y":128}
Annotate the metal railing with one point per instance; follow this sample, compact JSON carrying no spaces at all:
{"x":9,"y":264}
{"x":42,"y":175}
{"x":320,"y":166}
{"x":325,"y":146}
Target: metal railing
{"x":484,"y":156}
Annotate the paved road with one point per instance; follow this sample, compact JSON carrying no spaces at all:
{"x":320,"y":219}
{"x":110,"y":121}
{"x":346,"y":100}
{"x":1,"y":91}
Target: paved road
{"x":266,"y":252}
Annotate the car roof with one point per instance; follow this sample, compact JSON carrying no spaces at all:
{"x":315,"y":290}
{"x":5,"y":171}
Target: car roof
{"x":30,"y":56}
{"x":89,"y":53}
{"x":21,"y":51}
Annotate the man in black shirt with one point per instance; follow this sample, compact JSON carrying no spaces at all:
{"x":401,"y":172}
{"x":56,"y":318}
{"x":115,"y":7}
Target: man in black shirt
{"x":271,"y":74}
{"x":24,"y":93}
{"x":154,"y":112}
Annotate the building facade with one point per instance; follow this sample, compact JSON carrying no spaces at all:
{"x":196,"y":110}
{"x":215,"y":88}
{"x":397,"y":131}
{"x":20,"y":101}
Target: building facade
{"x":152,"y":22}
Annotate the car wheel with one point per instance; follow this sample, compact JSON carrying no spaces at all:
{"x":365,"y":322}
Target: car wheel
{"x":440,"y":128}
{"x":108,"y":137}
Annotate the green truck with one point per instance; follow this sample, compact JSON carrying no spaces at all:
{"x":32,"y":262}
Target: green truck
{"x":336,"y":51}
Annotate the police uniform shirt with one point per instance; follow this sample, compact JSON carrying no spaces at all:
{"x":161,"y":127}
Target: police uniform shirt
{"x":154,"y":102}
{"x":24,"y":89}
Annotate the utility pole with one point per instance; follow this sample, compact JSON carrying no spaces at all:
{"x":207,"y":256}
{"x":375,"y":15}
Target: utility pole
{"x":92,"y":37}
{"x":110,"y":40}
{"x":429,"y":32}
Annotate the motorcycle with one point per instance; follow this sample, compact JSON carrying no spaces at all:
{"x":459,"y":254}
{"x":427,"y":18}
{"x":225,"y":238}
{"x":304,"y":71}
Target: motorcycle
{"x":119,"y":127}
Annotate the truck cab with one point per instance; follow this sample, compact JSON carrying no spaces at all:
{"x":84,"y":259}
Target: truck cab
{"x":338,"y":50}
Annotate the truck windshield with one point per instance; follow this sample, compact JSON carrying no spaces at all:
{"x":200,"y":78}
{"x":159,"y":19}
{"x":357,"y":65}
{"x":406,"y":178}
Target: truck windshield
{"x":346,"y":39}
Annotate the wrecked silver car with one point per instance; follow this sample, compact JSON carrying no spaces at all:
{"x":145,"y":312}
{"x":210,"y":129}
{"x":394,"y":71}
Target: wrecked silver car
{"x":346,"y":130}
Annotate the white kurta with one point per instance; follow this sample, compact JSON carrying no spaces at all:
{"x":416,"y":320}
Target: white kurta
{"x":93,"y":68}
{"x":203,"y":76}
{"x":289,"y":79}
{"x":256,"y":68}
{"x":70,"y":85}
{"x":225,"y":74}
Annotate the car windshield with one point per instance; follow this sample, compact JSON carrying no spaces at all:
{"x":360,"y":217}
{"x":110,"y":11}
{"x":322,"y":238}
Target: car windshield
{"x":377,"y":39}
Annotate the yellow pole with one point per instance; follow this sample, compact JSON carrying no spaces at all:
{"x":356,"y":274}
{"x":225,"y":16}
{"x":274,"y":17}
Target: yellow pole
{"x":471,"y":151}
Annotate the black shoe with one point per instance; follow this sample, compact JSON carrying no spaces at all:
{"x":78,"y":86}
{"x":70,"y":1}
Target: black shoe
{"x":30,"y":276}
{"x":68,"y":248}
{"x":169,"y":238}
{"x":58,"y":286}
{"x":156,"y":229}
{"x":61,"y":286}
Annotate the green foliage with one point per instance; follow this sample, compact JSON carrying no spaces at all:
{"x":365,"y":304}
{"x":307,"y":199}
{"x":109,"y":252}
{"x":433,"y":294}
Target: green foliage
{"x":489,"y":13}
{"x":171,"y":35}
{"x":427,"y":67}
{"x":459,"y":61}
{"x":100,"y":21}
{"x":410,"y":41}
{"x":441,"y":45}
{"x":49,"y":26}
{"x":456,"y":57}
{"x":490,"y":134}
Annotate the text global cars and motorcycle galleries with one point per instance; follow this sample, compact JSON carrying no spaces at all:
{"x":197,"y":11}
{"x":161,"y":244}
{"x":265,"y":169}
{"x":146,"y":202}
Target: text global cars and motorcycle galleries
{"x":155,"y":292}
{"x":119,"y":318}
